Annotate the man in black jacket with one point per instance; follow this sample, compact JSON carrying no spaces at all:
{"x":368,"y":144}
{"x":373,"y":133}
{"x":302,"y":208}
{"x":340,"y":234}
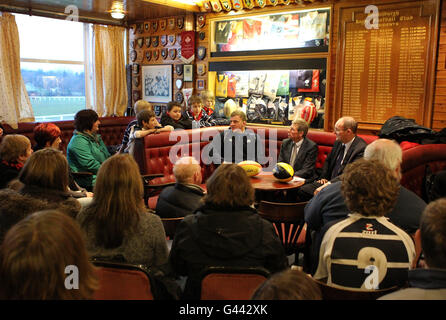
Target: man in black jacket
{"x":183,"y":198}
{"x":347,"y":148}
{"x":299,"y":151}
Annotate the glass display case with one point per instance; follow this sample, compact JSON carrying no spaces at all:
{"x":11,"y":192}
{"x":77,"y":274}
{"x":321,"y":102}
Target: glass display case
{"x":273,"y":66}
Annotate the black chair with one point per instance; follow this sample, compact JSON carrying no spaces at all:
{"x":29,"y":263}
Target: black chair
{"x":288,"y":221}
{"x":231,"y":283}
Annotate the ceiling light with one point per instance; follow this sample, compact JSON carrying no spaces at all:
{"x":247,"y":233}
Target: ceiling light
{"x":117,"y":10}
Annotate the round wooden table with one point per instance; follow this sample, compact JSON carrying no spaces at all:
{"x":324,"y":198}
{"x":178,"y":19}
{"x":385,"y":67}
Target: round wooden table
{"x":267,"y":182}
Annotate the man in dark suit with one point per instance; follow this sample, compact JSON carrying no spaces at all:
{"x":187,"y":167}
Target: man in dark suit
{"x":299,"y":151}
{"x":347,"y":148}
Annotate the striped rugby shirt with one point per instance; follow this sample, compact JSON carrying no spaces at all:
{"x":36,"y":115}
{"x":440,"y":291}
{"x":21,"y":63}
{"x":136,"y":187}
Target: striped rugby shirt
{"x":365,"y":253}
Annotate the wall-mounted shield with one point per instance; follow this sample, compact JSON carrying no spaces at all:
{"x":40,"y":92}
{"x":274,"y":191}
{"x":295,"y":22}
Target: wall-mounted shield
{"x":147,"y":26}
{"x":148,"y":55}
{"x":148,"y":41}
{"x":201,"y":21}
{"x":172,"y":53}
{"x":201,"y":52}
{"x":132,"y":44}
{"x":136,"y":95}
{"x":179,"y":97}
{"x":180,"y":22}
{"x":163,"y":40}
{"x":156,"y":54}
{"x":179,"y":69}
{"x":135,"y":68}
{"x":136,"y":81}
{"x":201,"y":69}
{"x":154,"y":26}
{"x":164,"y":53}
{"x":171,"y":39}
{"x":140,"y":42}
{"x":179,"y":84}
{"x":155,"y":41}
{"x":133,"y":55}
{"x":163,"y":24}
{"x":171,"y":23}
{"x":140,"y":28}
{"x":201,"y":35}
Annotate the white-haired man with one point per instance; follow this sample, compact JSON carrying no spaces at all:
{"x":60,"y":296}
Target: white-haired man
{"x":184,"y":197}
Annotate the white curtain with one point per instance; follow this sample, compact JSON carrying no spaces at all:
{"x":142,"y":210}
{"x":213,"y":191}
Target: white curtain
{"x":109,"y":75}
{"x":15,"y":105}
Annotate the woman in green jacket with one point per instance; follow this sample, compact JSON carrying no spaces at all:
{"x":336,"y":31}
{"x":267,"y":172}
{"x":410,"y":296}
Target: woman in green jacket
{"x":86,"y":150}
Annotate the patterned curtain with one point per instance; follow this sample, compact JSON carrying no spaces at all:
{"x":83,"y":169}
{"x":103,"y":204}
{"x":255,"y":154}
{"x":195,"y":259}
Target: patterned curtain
{"x":109,"y":76}
{"x":15,"y":106}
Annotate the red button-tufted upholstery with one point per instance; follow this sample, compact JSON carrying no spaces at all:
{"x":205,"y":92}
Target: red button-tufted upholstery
{"x":111,"y":130}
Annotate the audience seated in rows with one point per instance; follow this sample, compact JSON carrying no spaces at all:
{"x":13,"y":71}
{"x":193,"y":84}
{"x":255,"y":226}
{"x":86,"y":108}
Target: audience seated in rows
{"x":329,"y":205}
{"x":429,"y":283}
{"x":174,"y":117}
{"x":116,"y":223}
{"x":183,"y":198}
{"x":86,"y":150}
{"x":290,"y":284}
{"x":43,"y":257}
{"x":366,"y":251}
{"x":347,"y":148}
{"x":15,"y":149}
{"x":225,"y":231}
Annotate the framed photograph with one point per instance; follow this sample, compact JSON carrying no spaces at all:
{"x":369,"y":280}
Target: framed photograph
{"x":188,"y":72}
{"x":201,"y":84}
{"x":157,"y":83}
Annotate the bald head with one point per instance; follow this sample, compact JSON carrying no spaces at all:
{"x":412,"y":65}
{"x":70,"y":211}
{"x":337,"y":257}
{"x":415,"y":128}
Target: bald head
{"x":388,"y":152}
{"x":187,"y":170}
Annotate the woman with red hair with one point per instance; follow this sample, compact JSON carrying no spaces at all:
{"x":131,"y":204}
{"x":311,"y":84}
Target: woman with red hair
{"x":47,"y":135}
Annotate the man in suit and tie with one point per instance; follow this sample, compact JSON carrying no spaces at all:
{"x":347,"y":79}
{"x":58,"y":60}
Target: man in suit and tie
{"x":347,"y":148}
{"x":299,"y":151}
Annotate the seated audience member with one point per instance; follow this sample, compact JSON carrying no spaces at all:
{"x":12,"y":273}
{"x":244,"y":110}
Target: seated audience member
{"x":183,"y":198}
{"x":225,"y":231}
{"x":366,"y":251}
{"x":35,"y":256}
{"x":47,"y":135}
{"x":174,"y":118}
{"x":237,"y":143}
{"x":117,"y":224}
{"x":288,"y":285}
{"x":429,"y":283}
{"x":329,"y":205}
{"x":299,"y":151}
{"x":139,"y":106}
{"x":86,"y":150}
{"x":147,"y":124}
{"x":15,"y":149}
{"x":197,"y":115}
{"x":217,"y":116}
{"x":438,"y":189}
{"x":45,"y":176}
{"x":347,"y":148}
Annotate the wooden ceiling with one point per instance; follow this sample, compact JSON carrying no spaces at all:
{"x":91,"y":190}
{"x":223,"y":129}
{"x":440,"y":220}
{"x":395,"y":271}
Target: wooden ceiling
{"x":98,"y":11}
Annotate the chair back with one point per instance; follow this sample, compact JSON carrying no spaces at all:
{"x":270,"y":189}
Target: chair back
{"x":231,"y":283}
{"x":335,"y":293}
{"x":288,"y":220}
{"x":170,"y":226}
{"x":418,"y":250}
{"x":122,"y":281}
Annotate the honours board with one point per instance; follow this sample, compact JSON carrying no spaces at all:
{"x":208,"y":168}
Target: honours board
{"x":387,"y":64}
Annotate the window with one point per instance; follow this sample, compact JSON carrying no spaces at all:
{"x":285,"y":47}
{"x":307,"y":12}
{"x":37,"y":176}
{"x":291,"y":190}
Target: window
{"x":54,"y":65}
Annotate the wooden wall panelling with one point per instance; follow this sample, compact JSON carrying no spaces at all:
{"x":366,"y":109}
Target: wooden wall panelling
{"x":439,"y":113}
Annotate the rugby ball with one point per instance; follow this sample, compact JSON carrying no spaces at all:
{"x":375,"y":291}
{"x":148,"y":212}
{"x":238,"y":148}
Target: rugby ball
{"x":283,"y":172}
{"x":251,"y":168}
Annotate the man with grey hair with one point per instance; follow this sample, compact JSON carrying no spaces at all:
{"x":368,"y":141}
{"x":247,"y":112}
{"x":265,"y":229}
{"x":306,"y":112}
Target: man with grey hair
{"x":347,"y":148}
{"x":299,"y":151}
{"x":329,"y":205}
{"x":184,"y":197}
